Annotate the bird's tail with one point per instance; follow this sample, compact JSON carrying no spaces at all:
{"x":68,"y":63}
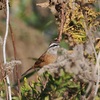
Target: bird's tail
{"x":25,"y":73}
{"x":30,"y":72}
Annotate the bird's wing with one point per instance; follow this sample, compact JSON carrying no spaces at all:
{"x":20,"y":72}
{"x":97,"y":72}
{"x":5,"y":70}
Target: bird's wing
{"x":40,"y":62}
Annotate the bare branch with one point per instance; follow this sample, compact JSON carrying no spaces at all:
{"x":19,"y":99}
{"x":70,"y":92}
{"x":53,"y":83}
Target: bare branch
{"x":4,"y":49}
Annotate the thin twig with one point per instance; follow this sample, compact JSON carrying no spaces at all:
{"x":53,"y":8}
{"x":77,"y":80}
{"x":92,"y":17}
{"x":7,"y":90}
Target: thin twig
{"x":4,"y":49}
{"x":62,"y":22}
{"x":88,"y":33}
{"x":14,"y":47}
{"x":13,"y":42}
{"x":15,"y":57}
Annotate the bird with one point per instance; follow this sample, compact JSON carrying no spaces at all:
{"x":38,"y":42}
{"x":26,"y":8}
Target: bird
{"x":48,"y":57}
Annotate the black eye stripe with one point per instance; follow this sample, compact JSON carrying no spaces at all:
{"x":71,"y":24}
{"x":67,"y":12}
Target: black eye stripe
{"x":53,"y":45}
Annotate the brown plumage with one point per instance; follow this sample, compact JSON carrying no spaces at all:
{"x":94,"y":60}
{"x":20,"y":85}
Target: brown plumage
{"x":50,"y":56}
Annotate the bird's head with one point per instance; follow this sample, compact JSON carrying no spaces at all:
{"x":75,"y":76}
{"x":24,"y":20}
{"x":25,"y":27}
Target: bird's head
{"x":53,"y":48}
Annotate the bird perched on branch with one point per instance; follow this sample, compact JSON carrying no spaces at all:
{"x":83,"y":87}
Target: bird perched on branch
{"x":48,"y":57}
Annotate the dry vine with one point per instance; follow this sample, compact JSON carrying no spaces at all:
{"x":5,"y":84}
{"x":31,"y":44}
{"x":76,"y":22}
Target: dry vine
{"x":7,"y":67}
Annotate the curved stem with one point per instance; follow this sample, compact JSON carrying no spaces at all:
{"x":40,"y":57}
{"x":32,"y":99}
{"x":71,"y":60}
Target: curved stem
{"x":4,"y":49}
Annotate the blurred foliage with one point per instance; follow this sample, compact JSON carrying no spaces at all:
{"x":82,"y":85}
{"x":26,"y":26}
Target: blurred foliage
{"x":60,"y":86}
{"x":48,"y":87}
{"x":2,"y":90}
{"x":31,"y":14}
{"x":39,"y":18}
{"x":78,"y":14}
{"x":64,"y":45}
{"x":63,"y":86}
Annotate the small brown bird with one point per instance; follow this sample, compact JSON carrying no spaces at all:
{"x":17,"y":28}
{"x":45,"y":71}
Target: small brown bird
{"x":49,"y":57}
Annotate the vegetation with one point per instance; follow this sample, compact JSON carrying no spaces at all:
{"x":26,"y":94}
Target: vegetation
{"x":76,"y":74}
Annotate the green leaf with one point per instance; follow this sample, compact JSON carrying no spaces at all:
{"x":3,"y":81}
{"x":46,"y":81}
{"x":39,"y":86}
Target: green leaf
{"x":64,"y":44}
